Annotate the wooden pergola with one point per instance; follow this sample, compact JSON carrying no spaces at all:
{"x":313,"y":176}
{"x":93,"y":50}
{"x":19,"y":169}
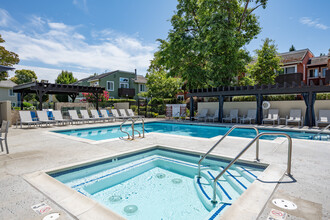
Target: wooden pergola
{"x":307,"y":91}
{"x":42,"y":88}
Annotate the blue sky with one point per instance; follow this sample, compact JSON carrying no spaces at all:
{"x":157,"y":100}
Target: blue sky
{"x":85,"y":36}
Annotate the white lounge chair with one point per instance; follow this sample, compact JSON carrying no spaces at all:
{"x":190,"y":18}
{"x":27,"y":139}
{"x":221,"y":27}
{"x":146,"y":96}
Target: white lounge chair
{"x":26,"y":119}
{"x":43,"y":118}
{"x":232,"y":115}
{"x":96,"y":115}
{"x":214,"y":116}
{"x":324,"y":117}
{"x":251,"y":115}
{"x":74,"y":116}
{"x":85,"y":115}
{"x":116,"y":114}
{"x":295,"y":116}
{"x":123,"y":113}
{"x":59,"y":118}
{"x":105,"y":115}
{"x":4,"y":130}
{"x":272,"y":116}
{"x":131,"y":114}
{"x":202,"y":114}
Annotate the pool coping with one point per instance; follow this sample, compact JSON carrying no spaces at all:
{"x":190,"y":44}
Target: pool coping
{"x":82,"y":207}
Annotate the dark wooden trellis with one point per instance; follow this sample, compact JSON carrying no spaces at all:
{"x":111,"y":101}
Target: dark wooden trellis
{"x":42,"y":88}
{"x":308,"y":92}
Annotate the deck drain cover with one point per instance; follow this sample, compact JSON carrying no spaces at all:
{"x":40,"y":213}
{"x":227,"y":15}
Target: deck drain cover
{"x":176,"y":181}
{"x":52,"y":216}
{"x":284,"y":204}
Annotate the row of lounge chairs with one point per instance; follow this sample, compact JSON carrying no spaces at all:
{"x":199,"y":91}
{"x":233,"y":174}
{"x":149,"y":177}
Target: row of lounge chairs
{"x":272,"y":117}
{"x":55,"y":116}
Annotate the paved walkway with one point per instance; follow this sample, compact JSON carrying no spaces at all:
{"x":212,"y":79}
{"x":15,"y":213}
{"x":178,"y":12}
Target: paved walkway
{"x":36,"y":149}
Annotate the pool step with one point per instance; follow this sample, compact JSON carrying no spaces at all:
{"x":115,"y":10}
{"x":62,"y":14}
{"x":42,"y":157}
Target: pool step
{"x":204,"y":189}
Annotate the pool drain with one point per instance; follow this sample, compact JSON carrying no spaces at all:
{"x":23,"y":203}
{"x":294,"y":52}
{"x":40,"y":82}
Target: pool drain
{"x":130,"y":209}
{"x":284,"y":204}
{"x":176,"y":181}
{"x":52,"y":216}
{"x":160,"y":175}
{"x":114,"y":199}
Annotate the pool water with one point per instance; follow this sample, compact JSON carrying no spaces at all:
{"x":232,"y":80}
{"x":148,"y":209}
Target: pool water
{"x":202,"y":131}
{"x":160,"y":184}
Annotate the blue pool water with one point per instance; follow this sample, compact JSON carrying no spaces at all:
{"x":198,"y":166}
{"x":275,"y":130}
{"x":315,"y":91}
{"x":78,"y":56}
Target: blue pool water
{"x":160,"y":184}
{"x":109,"y":132}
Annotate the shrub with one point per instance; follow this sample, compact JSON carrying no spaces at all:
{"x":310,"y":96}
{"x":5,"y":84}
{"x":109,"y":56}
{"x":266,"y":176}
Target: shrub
{"x":27,"y":105}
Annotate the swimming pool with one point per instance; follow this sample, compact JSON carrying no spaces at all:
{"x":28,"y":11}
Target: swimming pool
{"x":202,"y":131}
{"x":160,"y":184}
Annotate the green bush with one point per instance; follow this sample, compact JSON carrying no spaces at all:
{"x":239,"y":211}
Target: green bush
{"x":161,"y":116}
{"x":323,"y":96}
{"x":243,"y":98}
{"x":27,"y":105}
{"x":134,"y":108}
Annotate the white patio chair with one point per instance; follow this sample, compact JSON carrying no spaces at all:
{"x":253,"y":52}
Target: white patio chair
{"x":59,"y":118}
{"x":96,"y":115}
{"x":116,"y":114}
{"x":74,"y":116}
{"x":43,"y":118}
{"x":324,"y":117}
{"x":251,"y":115}
{"x":295,"y":116}
{"x":272,"y":117}
{"x":214,"y":116}
{"x":202,"y":114}
{"x":105,"y":115}
{"x":232,"y":115}
{"x":85,"y":115}
{"x":4,"y":130}
{"x":26,"y":119}
{"x":131,"y":114}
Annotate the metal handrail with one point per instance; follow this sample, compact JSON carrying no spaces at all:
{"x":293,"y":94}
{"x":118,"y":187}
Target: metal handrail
{"x":133,"y":130}
{"x":320,"y":132}
{"x":214,"y":200}
{"x":121,"y":128}
{"x":223,"y":137}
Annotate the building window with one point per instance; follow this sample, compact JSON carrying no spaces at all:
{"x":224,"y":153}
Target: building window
{"x":11,"y":92}
{"x":324,"y":70}
{"x":110,"y":86}
{"x":288,"y":70}
{"x":313,"y":73}
{"x":123,"y":82}
{"x":142,"y":87}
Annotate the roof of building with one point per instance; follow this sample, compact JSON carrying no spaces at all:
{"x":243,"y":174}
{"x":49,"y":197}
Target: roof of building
{"x":140,"y":79}
{"x":7,"y":84}
{"x":294,"y":56}
{"x":317,"y":61}
{"x":107,"y":74}
{"x":6,"y":68}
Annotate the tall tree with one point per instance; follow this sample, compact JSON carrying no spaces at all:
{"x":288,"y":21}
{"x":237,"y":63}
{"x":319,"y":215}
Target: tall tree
{"x":64,"y":77}
{"x":160,"y":85}
{"x":205,"y":45}
{"x":292,"y":48}
{"x":7,"y":58}
{"x":24,"y":76}
{"x":264,"y":70}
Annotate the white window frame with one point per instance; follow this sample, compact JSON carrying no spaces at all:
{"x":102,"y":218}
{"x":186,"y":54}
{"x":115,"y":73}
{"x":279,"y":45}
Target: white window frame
{"x":295,"y":68}
{"x":325,"y":71}
{"x":144,"y":88}
{"x":109,"y":87}
{"x":314,"y":77}
{"x":11,"y":94}
{"x":122,"y":82}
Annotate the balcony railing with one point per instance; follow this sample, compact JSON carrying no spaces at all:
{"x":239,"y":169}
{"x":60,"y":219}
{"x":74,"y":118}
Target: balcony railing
{"x":125,"y":92}
{"x":289,"y":78}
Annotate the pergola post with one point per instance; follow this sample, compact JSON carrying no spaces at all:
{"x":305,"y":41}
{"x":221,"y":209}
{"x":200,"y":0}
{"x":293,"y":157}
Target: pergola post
{"x":220,"y":116}
{"x":22,"y":99}
{"x":97,"y":101}
{"x":259,"y":109}
{"x":191,"y":108}
{"x":309,"y":98}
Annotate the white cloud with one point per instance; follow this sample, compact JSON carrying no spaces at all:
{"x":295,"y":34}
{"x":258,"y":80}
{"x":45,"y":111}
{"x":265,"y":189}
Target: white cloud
{"x":5,"y":19}
{"x":313,"y":23}
{"x":61,"y":46}
{"x":81,"y":4}
{"x":48,"y":73}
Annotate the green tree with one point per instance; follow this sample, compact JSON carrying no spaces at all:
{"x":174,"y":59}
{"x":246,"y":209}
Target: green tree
{"x":64,"y":77}
{"x":160,"y":85}
{"x":292,"y":48}
{"x":205,"y":45}
{"x":24,"y":76}
{"x":264,"y":69}
{"x":7,"y":58}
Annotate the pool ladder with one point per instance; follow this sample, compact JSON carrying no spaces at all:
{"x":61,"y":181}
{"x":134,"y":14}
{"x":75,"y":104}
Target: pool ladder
{"x":320,"y":133}
{"x":255,"y":140}
{"x":133,"y":120}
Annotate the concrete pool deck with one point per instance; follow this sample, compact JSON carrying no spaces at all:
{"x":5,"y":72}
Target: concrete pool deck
{"x":33,"y":150}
